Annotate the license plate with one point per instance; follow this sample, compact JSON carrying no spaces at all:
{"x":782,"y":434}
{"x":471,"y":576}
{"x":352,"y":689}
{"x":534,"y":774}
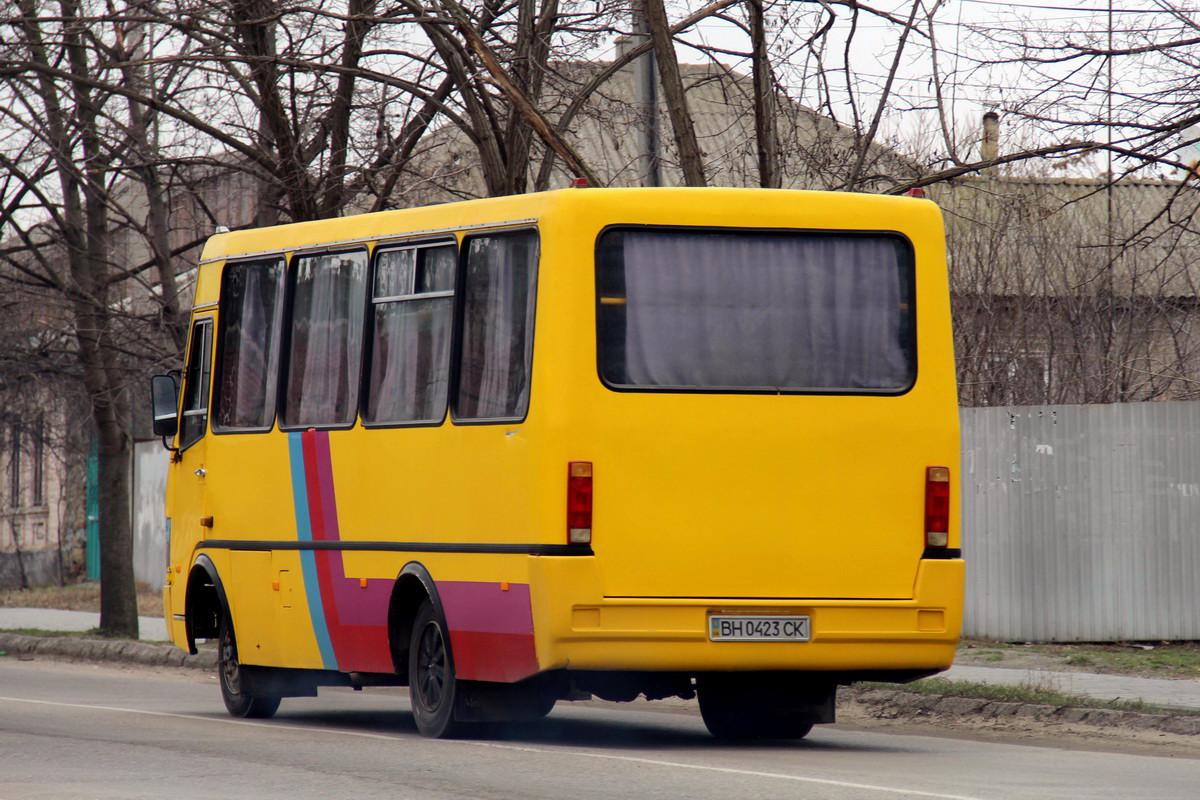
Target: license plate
{"x":746,"y":628}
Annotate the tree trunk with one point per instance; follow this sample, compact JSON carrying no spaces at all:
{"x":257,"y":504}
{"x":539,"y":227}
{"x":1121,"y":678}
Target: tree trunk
{"x":118,"y":593}
{"x":110,"y":416}
{"x":765,"y":137}
{"x":22,"y":578}
{"x":174,"y":322}
{"x":691,"y":160}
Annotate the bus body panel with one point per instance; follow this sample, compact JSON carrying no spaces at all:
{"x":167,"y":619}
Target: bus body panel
{"x":703,"y":502}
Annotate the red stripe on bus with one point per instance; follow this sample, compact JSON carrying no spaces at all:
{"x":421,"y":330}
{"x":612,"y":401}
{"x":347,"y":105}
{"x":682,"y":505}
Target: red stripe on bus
{"x":502,"y":657}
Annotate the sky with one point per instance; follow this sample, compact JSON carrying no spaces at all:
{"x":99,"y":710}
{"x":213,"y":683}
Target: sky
{"x":965,"y":33}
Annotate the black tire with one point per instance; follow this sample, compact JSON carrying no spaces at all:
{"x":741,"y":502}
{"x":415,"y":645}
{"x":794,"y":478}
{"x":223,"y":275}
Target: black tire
{"x":432,"y":687}
{"x":542,"y":706}
{"x":232,"y":677}
{"x":738,"y":710}
{"x":526,"y":701}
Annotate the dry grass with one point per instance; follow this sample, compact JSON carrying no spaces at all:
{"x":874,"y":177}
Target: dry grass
{"x":1147,"y":660}
{"x":78,"y":597}
{"x":1040,"y":692}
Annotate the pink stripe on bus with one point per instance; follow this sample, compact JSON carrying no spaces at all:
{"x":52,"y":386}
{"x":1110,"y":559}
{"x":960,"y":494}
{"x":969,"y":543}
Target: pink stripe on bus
{"x":483,"y":607}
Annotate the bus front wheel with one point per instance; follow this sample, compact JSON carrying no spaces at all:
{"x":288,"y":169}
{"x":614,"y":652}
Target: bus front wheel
{"x":736,"y":708}
{"x":432,"y":686}
{"x":234,"y":687}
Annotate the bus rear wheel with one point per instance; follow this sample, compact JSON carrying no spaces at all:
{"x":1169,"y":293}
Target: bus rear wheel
{"x":432,"y":686}
{"x":740,"y":708}
{"x":239,"y":701}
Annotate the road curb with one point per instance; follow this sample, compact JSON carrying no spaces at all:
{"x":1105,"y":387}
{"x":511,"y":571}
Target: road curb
{"x":79,"y":648}
{"x":879,"y":703}
{"x":899,"y":704}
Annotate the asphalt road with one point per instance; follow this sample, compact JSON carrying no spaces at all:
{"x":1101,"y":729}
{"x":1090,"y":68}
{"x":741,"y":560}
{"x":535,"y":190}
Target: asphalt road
{"x":82,"y":731}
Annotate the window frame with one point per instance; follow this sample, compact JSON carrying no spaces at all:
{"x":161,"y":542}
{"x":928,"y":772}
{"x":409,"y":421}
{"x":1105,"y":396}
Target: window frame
{"x":369,"y":327}
{"x":910,"y":263}
{"x":285,"y":342}
{"x":205,"y":321}
{"x":218,"y":367}
{"x":460,"y":310}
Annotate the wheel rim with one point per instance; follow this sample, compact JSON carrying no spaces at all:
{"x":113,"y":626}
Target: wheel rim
{"x":432,"y":667}
{"x":230,"y":672}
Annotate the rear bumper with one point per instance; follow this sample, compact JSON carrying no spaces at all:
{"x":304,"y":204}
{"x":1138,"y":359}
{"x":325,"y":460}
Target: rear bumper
{"x":581,"y":629}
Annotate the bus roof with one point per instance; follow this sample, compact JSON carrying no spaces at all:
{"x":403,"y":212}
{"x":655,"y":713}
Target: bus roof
{"x":765,"y":208}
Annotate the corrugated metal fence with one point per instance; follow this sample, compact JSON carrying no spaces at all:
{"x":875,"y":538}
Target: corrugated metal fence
{"x":1082,"y":523}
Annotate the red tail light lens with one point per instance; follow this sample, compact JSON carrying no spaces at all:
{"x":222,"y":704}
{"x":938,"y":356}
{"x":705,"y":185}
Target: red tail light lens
{"x":937,"y":506}
{"x":579,"y":502}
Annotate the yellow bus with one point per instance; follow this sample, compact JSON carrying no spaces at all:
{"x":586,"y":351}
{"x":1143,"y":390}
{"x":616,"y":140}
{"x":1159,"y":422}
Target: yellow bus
{"x":608,"y":442}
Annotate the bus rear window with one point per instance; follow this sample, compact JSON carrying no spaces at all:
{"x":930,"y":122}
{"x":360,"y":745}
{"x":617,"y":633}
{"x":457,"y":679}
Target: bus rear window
{"x":743,"y":311}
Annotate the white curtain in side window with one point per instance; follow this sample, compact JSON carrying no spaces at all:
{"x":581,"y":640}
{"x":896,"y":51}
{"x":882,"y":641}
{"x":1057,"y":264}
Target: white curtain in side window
{"x":326,"y":351}
{"x":250,"y":311}
{"x":766,"y":311}
{"x":411,"y":337}
{"x":497,"y":326}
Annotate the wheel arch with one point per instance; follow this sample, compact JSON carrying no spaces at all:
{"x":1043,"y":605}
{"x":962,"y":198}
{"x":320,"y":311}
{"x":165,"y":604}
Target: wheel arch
{"x":204,"y":602}
{"x":413,"y":586}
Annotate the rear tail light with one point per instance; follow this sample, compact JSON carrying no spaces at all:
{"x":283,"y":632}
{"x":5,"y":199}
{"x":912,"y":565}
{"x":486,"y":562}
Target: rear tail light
{"x":937,"y":506}
{"x":579,"y":502}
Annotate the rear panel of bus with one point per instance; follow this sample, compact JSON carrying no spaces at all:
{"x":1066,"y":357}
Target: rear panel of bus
{"x":761,"y":382}
{"x":761,"y":389}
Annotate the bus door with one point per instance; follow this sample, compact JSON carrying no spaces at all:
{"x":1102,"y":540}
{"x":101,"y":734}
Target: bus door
{"x":189,"y":508}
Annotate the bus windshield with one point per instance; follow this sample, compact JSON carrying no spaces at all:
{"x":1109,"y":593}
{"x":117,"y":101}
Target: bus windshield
{"x":704,"y":310}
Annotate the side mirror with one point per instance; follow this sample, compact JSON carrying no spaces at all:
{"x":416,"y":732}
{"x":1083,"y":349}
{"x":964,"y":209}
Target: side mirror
{"x":164,"y":397}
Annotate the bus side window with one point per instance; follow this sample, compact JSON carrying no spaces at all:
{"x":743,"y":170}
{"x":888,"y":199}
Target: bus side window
{"x":248,"y":346}
{"x":195,"y":385}
{"x":411,"y":322}
{"x":325,"y":359}
{"x":497,"y":326}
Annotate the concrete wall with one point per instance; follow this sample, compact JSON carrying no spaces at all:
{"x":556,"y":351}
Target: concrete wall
{"x":150,"y":461}
{"x":1082,"y":523}
{"x":37,"y":567}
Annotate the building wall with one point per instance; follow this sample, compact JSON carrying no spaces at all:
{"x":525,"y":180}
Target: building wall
{"x":1061,"y":296}
{"x":1082,"y":523}
{"x":40,"y":524}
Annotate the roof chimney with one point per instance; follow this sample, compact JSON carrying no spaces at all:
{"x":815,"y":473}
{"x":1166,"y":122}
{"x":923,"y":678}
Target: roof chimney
{"x":989,"y":143}
{"x":626,"y":43}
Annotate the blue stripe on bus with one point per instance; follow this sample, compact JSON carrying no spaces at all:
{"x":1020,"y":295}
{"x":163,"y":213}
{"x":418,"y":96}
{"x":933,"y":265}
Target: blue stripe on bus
{"x":308,"y":558}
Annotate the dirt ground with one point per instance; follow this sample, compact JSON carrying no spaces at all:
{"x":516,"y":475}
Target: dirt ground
{"x":1178,"y":660}
{"x":78,"y":597}
{"x":1026,"y":731}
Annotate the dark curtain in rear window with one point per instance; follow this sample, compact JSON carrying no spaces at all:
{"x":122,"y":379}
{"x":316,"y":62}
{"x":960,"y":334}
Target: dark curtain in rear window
{"x":497,"y":328}
{"x":725,"y":311}
{"x":251,"y":307}
{"x":328,"y":302}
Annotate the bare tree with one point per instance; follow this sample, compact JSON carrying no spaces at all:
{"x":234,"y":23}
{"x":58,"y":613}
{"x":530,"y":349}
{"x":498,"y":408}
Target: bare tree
{"x":69,"y":252}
